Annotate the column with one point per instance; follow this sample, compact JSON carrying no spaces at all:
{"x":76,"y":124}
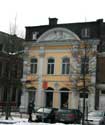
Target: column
{"x":39,"y":94}
{"x":56,"y":99}
{"x":56,"y":96}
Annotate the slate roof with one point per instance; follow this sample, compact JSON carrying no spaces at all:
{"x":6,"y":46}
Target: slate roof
{"x":97,"y":28}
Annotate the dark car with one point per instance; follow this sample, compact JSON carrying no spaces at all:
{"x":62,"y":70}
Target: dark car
{"x":102,"y":121}
{"x":46,"y":115}
{"x":68,"y":116}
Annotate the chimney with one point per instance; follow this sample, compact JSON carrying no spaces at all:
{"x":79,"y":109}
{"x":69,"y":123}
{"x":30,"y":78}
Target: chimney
{"x":53,"y":21}
{"x":99,"y":20}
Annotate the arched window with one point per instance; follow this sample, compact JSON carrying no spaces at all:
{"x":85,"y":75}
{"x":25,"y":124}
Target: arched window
{"x":34,"y":65}
{"x":50,"y":68}
{"x":65,"y":65}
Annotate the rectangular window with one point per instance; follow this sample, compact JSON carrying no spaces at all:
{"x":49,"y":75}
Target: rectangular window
{"x":85,"y":65}
{"x":66,"y":66}
{"x":34,"y":68}
{"x":85,"y":33}
{"x":34,"y":35}
{"x":50,"y":69}
{"x":33,"y":65}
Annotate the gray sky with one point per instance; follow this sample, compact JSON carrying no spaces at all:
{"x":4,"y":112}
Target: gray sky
{"x":37,"y":12}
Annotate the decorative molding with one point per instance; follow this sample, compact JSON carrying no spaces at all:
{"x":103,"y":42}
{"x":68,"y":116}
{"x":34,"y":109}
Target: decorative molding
{"x":58,"y":34}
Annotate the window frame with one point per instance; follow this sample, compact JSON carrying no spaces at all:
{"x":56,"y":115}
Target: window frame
{"x":33,"y":66}
{"x":34,"y":35}
{"x":51,"y":65}
{"x":65,"y":66}
{"x":85,"y":32}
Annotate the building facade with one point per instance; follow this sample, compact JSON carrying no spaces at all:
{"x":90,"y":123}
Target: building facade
{"x":54,"y":64}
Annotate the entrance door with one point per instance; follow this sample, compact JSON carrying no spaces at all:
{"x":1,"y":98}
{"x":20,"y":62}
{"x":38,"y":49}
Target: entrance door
{"x":49,"y":97}
{"x":64,"y":95}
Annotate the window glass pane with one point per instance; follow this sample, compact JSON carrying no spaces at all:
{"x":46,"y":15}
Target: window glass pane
{"x":63,"y":68}
{"x":50,"y":68}
{"x":31,"y":68}
{"x":66,"y":66}
{"x":34,"y":65}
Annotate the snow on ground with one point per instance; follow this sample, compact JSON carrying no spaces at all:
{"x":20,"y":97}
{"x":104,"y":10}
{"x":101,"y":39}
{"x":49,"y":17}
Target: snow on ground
{"x":24,"y":121}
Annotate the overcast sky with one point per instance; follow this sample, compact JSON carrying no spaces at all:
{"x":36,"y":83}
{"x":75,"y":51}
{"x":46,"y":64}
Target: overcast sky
{"x":37,"y":12}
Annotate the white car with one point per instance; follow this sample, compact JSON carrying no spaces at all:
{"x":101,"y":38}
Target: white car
{"x":95,"y":117}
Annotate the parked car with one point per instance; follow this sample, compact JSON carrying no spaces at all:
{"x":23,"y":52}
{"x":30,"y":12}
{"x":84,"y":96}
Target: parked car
{"x":102,"y":121}
{"x":68,"y":116}
{"x":46,"y":115}
{"x":96,"y":117}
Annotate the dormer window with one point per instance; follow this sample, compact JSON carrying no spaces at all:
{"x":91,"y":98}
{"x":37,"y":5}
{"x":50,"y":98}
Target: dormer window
{"x":85,"y":33}
{"x":34,"y":35}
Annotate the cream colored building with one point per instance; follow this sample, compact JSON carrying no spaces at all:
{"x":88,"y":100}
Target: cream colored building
{"x":52,"y":68}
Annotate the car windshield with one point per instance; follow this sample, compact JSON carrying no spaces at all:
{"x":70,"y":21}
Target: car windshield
{"x":96,"y":114}
{"x":65,"y":111}
{"x":46,"y":110}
